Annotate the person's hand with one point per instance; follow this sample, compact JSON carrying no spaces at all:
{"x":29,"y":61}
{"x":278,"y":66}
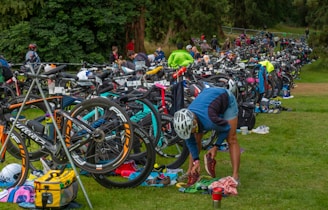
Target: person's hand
{"x":196,"y":167}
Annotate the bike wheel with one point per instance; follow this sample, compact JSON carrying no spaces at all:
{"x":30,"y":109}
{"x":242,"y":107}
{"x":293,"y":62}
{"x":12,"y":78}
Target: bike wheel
{"x":144,"y":113}
{"x":251,"y":93}
{"x":109,"y":145}
{"x":209,"y":138}
{"x":14,"y":164}
{"x":171,"y":150}
{"x":269,"y":90}
{"x":136,"y":168}
{"x":6,"y":93}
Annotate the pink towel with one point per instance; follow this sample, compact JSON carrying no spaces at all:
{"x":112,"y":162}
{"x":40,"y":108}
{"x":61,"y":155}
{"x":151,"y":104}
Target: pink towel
{"x":228,"y":184}
{"x":19,"y":194}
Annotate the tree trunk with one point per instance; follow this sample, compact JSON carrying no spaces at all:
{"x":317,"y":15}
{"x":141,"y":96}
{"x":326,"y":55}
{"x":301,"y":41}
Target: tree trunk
{"x":169,"y":34}
{"x":220,"y":32}
{"x":140,"y":32}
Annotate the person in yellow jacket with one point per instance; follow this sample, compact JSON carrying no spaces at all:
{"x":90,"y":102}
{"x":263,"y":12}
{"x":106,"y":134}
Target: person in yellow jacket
{"x":180,"y":57}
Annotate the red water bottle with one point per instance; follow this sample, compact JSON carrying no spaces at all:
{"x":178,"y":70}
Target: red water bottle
{"x":216,"y":197}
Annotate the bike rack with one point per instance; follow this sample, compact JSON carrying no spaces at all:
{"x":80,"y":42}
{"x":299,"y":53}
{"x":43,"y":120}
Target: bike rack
{"x":36,"y":81}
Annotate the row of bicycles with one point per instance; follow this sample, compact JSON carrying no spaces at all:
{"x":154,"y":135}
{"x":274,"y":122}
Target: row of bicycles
{"x":102,"y":122}
{"x":106,"y":116}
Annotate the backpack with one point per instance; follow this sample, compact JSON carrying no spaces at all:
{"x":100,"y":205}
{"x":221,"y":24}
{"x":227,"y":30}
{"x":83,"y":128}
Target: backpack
{"x":55,"y":189}
{"x":246,"y":115}
{"x":5,"y":70}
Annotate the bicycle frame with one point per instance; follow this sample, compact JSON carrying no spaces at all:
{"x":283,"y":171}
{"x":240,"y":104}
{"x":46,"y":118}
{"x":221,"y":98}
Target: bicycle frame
{"x":53,"y":148}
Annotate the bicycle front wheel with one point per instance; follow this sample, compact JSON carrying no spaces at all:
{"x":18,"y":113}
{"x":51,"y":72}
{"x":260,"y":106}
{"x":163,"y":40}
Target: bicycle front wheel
{"x":110,"y":143}
{"x":14,"y":162}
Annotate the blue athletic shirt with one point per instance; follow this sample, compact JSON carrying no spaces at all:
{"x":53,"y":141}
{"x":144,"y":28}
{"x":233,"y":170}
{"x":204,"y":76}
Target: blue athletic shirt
{"x":209,"y":107}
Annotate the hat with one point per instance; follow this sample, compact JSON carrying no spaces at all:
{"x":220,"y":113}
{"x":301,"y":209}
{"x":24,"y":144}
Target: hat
{"x":188,"y":47}
{"x":204,"y":41}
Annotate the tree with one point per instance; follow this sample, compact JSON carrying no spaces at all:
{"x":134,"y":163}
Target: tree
{"x":180,"y":20}
{"x":14,"y":11}
{"x":73,"y":30}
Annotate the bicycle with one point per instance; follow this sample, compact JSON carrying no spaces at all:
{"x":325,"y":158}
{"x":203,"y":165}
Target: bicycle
{"x":91,"y":124}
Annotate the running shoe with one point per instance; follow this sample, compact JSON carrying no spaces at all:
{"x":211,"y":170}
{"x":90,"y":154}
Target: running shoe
{"x":261,"y":130}
{"x":209,"y":165}
{"x":192,"y":178}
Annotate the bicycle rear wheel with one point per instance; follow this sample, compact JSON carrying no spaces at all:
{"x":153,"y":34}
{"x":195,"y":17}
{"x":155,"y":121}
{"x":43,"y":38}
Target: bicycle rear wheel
{"x":136,"y":168}
{"x":172,"y":151}
{"x":110,"y":143}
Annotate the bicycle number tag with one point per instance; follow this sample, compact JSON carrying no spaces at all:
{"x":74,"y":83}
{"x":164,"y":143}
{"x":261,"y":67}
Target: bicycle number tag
{"x":163,"y":82}
{"x":208,"y":73}
{"x":148,"y":84}
{"x":133,"y":83}
{"x":59,"y":90}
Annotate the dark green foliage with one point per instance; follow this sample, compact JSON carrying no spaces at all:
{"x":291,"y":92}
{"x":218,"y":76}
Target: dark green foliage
{"x":84,"y":30}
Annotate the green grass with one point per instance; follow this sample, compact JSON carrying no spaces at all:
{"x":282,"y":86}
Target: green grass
{"x":315,"y":72}
{"x":289,"y":29}
{"x":285,"y":169}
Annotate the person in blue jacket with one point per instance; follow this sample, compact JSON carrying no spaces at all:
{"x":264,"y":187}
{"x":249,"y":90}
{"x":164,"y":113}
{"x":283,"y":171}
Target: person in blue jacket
{"x":213,"y":109}
{"x":262,"y":76}
{"x":160,"y":55}
{"x":31,"y":55}
{"x":5,"y":69}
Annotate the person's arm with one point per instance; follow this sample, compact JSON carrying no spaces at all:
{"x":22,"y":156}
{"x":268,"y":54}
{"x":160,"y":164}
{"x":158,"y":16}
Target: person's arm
{"x":192,"y":146}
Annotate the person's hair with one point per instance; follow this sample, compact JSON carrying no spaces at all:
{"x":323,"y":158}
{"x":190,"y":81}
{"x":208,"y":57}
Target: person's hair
{"x":114,"y":48}
{"x":179,"y":45}
{"x":130,"y":52}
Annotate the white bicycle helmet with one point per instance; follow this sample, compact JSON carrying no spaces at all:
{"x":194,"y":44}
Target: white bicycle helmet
{"x":183,"y":123}
{"x":83,"y":74}
{"x":10,"y":173}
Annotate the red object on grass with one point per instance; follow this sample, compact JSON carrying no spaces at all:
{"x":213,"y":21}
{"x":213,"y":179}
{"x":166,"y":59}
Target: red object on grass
{"x":217,"y":194}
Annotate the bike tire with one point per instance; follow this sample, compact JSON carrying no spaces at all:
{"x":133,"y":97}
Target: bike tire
{"x":12,"y":155}
{"x":269,"y":90}
{"x":172,"y":151}
{"x":114,"y":129}
{"x":142,"y":112}
{"x":143,"y":158}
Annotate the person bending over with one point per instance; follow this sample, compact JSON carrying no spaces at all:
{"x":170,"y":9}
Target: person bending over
{"x":213,"y":109}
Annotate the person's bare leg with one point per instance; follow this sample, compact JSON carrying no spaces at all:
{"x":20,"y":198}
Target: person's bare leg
{"x":234,"y":148}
